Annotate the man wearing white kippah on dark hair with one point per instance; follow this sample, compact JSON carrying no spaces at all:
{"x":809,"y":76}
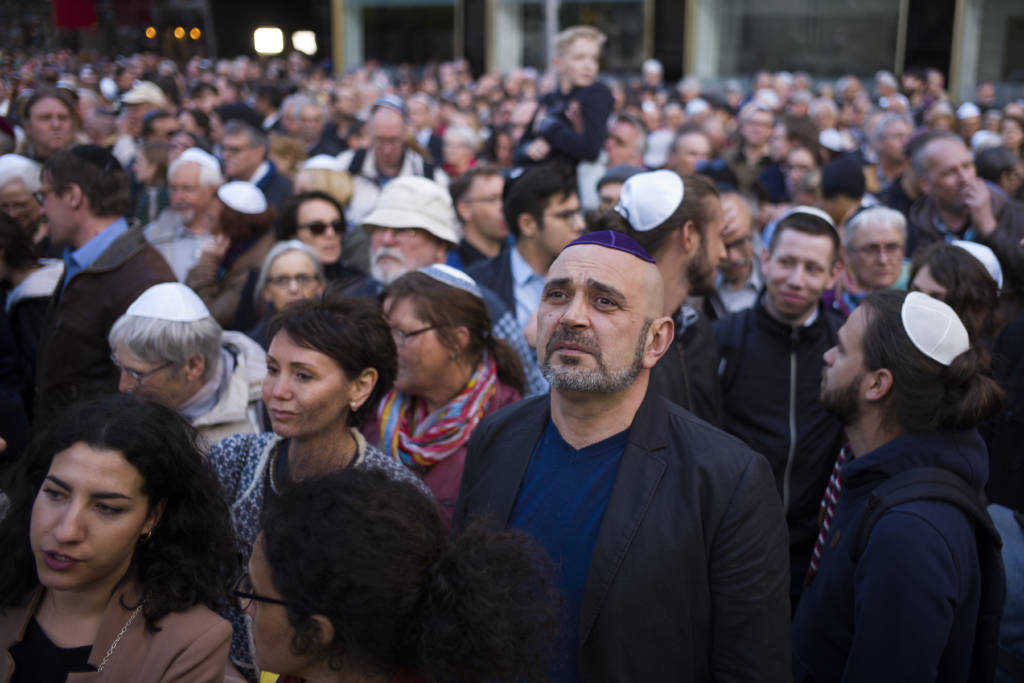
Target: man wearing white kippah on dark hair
{"x":770,"y":369}
{"x":679,"y":221}
{"x":906,"y":587}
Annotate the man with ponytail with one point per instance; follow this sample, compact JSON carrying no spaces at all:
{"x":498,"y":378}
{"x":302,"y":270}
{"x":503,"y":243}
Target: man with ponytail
{"x":903,"y":591}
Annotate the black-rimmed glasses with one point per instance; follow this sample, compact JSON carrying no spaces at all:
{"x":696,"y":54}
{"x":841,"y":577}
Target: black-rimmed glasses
{"x":401,"y":336}
{"x":243,"y":591}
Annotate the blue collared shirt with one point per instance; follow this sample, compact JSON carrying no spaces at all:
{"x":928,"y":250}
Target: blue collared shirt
{"x":527,"y":287}
{"x":78,"y":260}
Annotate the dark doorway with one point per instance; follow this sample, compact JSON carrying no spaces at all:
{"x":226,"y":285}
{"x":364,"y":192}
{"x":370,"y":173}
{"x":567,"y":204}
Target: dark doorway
{"x":415,"y":35}
{"x":930,"y":34}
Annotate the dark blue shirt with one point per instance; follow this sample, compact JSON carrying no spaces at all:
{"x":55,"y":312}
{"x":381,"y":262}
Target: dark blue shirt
{"x":560,"y":504}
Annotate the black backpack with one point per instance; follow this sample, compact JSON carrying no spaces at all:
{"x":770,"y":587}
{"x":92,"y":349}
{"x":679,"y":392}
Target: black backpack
{"x":933,"y":483}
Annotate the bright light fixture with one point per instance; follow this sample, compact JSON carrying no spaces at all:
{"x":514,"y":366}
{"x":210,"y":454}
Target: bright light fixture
{"x":305,"y":42}
{"x":268,"y":40}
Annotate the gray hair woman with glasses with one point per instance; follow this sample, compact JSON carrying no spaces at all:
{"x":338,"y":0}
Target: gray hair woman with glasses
{"x":169,"y":349}
{"x":291,"y":272}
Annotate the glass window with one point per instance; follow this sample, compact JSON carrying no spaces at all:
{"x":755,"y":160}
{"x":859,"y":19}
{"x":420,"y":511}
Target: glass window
{"x":824,"y":37}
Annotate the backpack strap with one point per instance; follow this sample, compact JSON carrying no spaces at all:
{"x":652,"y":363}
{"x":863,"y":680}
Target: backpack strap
{"x":922,"y":483}
{"x":355,"y":167}
{"x":730,"y":336}
{"x":933,"y":483}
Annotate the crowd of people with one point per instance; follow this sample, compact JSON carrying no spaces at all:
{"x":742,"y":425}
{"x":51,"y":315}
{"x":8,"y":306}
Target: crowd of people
{"x":414,"y":375}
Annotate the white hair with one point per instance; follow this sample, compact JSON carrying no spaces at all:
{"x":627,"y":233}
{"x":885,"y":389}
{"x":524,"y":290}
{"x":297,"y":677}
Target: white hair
{"x":209,"y":173}
{"x":14,"y":167}
{"x":169,"y":341}
{"x":283,"y":248}
{"x":876,"y":215}
{"x":463,"y":134}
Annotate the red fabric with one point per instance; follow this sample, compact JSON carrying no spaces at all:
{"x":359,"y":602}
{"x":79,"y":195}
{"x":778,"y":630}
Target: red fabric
{"x":72,"y":14}
{"x":443,"y":479}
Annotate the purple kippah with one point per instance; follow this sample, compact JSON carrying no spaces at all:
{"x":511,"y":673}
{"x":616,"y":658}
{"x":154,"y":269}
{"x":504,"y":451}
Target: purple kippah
{"x":613,"y":240}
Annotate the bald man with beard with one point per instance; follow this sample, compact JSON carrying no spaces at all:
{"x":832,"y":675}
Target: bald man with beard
{"x":667,"y":535}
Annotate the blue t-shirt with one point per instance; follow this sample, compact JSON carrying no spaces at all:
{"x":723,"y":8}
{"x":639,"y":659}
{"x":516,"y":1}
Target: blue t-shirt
{"x":561,"y":502}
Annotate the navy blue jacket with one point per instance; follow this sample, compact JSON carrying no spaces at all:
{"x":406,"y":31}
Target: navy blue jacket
{"x":573,"y":139}
{"x":907,"y":610}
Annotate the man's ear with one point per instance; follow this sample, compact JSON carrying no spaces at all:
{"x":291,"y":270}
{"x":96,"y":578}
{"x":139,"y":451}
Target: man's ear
{"x":690,"y":238}
{"x":462,"y":210}
{"x":74,"y":195}
{"x":876,"y":385}
{"x":659,"y":338}
{"x":528,"y":226}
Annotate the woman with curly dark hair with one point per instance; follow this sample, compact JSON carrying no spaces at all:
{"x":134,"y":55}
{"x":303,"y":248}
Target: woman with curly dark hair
{"x":954,"y":273}
{"x":117,"y":547}
{"x":383,"y":594}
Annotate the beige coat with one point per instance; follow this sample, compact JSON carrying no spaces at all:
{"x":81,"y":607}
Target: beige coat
{"x":191,"y":646}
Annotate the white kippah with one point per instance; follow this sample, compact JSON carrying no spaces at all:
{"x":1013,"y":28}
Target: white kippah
{"x":986,"y":256}
{"x":169,"y":301}
{"x":325,"y":161}
{"x":934,"y":327}
{"x":808,"y":211}
{"x":453,"y":277}
{"x":243,"y":197}
{"x":648,"y":199}
{"x":968,"y":110}
{"x":201,"y":157}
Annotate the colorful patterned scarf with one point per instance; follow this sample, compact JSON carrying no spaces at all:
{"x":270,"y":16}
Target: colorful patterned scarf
{"x":421,"y":440}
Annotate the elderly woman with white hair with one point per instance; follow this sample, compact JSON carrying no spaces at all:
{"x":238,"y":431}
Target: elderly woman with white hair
{"x":170,"y":349}
{"x":19,"y":181}
{"x":459,"y":148}
{"x":291,"y":272}
{"x":874,"y":257}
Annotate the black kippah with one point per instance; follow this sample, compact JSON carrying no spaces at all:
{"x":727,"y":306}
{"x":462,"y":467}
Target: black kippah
{"x":100,"y":157}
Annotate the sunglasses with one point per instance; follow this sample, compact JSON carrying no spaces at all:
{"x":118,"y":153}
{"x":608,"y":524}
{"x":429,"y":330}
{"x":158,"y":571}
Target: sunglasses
{"x":320,"y":227}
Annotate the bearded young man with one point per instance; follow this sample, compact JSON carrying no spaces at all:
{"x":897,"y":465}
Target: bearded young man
{"x":679,"y":221}
{"x":667,"y":535}
{"x":910,"y":392}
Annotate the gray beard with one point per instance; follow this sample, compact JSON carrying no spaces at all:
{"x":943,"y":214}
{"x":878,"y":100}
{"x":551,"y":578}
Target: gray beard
{"x":570,"y":377}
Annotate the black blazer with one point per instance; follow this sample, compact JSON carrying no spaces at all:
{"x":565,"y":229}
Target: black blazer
{"x":689,"y":580}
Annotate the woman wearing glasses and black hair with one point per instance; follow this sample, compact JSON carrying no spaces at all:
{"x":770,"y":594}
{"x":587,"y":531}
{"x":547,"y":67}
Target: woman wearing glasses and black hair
{"x":117,"y":546}
{"x":382,"y":594}
{"x":328,"y":364}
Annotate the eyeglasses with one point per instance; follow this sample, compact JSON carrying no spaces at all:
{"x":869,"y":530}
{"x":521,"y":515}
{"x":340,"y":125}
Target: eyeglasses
{"x":139,"y":377}
{"x":487,"y":199}
{"x":738,"y":244}
{"x":890,"y":249}
{"x":401,"y":336}
{"x":41,"y":194}
{"x":301,"y":280}
{"x":233,"y":149}
{"x":568,"y":214}
{"x":320,"y":227}
{"x":243,"y":591}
